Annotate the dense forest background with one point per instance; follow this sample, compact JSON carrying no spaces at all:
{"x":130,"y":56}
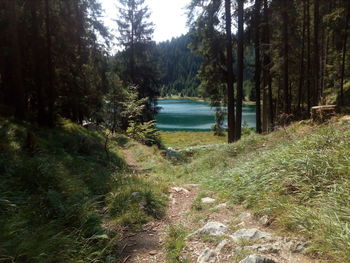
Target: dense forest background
{"x":180,"y":66}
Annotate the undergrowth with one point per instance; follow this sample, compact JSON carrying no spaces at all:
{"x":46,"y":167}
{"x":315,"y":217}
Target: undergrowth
{"x":299,"y":176}
{"x":58,"y":187}
{"x":175,"y":243}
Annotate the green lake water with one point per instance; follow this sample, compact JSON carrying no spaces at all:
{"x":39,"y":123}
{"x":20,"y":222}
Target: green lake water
{"x":192,"y":115}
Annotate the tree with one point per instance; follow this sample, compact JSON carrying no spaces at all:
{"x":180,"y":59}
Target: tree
{"x":139,"y":64}
{"x":257,"y":74}
{"x":240,"y":65}
{"x":16,"y":65}
{"x":229,"y":65}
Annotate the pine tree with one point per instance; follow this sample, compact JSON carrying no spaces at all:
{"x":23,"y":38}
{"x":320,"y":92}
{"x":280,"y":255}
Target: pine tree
{"x":140,"y":66}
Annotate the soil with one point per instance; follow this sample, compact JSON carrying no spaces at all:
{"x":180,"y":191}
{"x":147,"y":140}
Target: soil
{"x":147,"y":245}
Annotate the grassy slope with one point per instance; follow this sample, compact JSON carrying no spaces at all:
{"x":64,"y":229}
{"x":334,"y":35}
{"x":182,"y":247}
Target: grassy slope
{"x":186,"y":139}
{"x":299,"y":176}
{"x":50,"y":201}
{"x":57,"y":198}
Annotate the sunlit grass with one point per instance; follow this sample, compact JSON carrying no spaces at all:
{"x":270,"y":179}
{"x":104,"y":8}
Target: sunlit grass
{"x":187,"y":139}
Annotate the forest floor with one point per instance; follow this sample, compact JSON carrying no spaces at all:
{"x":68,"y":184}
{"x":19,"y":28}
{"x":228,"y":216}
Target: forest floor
{"x":200,"y":226}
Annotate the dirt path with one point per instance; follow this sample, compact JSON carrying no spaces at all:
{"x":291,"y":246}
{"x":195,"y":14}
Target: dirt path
{"x":147,"y":245}
{"x":258,"y":237}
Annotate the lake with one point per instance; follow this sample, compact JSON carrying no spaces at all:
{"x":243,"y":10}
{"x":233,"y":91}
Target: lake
{"x":193,"y":115}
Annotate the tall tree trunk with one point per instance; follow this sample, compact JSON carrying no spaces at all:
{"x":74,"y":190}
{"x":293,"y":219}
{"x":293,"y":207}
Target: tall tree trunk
{"x":301,"y":72}
{"x":285,"y":18}
{"x":315,"y":94}
{"x":268,"y":109}
{"x":38,"y":70}
{"x":50,"y":86}
{"x":230,"y":90}
{"x":240,"y":65}
{"x":16,"y":65}
{"x":257,"y":74}
{"x":308,"y":79}
{"x":344,"y":55}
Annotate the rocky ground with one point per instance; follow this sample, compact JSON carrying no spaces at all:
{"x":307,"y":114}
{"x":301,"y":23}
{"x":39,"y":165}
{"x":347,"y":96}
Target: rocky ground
{"x":217,"y":232}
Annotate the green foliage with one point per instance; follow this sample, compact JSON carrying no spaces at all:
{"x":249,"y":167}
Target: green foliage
{"x":186,"y":139}
{"x":137,"y":201}
{"x":54,"y":187}
{"x":298,"y":176}
{"x":219,"y":123}
{"x":179,"y":68}
{"x":146,"y":133}
{"x":175,"y":243}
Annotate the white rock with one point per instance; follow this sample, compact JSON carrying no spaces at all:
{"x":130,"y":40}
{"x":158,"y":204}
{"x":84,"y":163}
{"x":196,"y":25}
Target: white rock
{"x":264,"y":220}
{"x":249,"y":234}
{"x":207,"y":256}
{"x":273,"y":248}
{"x":207,"y":200}
{"x":244,"y":216}
{"x":257,"y":259}
{"x":221,"y":245}
{"x":223,"y":205}
{"x":212,"y":229}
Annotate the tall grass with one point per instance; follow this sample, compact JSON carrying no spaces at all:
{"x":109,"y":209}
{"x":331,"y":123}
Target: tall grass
{"x":300,"y":177}
{"x":54,"y":190}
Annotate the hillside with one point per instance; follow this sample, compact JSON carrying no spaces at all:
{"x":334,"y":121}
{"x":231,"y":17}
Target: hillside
{"x":67,"y":197}
{"x":61,"y":190}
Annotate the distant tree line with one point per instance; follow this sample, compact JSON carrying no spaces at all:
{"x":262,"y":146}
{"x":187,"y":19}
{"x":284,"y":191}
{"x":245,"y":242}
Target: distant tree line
{"x":180,"y":67}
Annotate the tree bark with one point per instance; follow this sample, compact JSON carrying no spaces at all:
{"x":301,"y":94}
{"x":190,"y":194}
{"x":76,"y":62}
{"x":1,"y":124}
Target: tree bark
{"x":308,"y":79}
{"x":301,"y":72}
{"x":315,"y":94}
{"x":50,"y":86}
{"x":240,"y":65}
{"x":285,"y":19}
{"x":344,"y":55}
{"x":267,"y":109}
{"x":37,"y":57}
{"x":16,"y":65}
{"x":257,"y":74}
{"x":230,"y":90}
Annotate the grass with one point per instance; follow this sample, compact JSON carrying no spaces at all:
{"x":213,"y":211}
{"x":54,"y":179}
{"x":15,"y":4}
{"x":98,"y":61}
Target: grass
{"x":175,"y":243}
{"x":57,"y":189}
{"x":53,"y":192}
{"x":180,"y":140}
{"x":299,"y":176}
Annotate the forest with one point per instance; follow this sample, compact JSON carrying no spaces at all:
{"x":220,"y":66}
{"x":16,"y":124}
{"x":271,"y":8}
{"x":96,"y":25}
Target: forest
{"x":86,"y":175}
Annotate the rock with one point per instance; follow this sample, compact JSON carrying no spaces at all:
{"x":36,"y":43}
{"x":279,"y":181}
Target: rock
{"x":212,"y":229}
{"x":207,"y":200}
{"x":257,"y":259}
{"x":221,"y":245}
{"x":223,"y":205}
{"x":135,"y":194}
{"x":249,"y":234}
{"x":274,"y":248}
{"x":264,"y":220}
{"x":298,"y":247}
{"x":153,"y":252}
{"x":207,"y":256}
{"x":244,"y":216}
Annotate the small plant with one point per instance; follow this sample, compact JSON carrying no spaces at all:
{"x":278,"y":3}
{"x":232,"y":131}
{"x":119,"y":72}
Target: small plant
{"x":218,"y":127}
{"x":175,"y":243}
{"x":144,"y":132}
